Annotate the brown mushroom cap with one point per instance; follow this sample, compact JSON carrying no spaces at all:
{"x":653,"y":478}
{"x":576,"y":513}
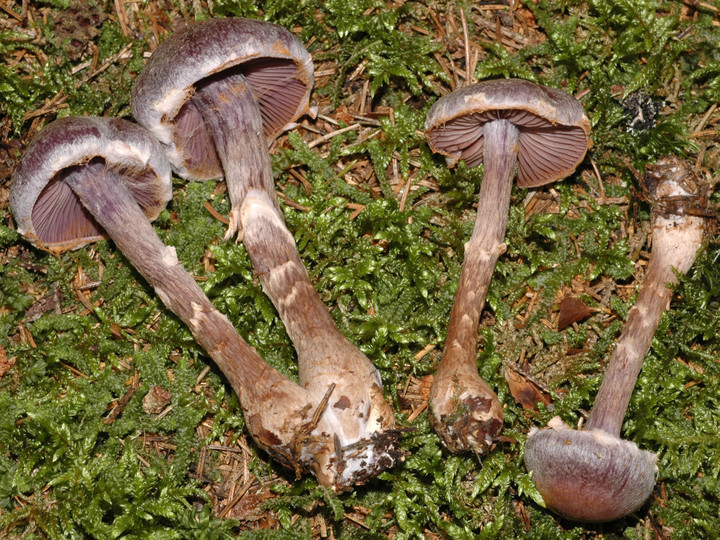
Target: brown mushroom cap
{"x":48,"y":212}
{"x":554,"y":131}
{"x":590,"y":476}
{"x":273,"y":61}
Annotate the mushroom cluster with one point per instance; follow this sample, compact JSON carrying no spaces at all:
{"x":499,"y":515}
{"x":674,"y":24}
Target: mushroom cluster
{"x":210,"y":100}
{"x":82,"y":178}
{"x":212,"y":95}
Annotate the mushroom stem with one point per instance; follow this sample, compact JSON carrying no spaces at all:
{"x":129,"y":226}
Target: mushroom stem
{"x":323,"y":352}
{"x":676,"y":238}
{"x":487,"y":241}
{"x":232,"y":115}
{"x":268,"y":398}
{"x":674,"y":250}
{"x":591,"y":474}
{"x":357,"y":414}
{"x":465,"y":411}
{"x":240,"y":143}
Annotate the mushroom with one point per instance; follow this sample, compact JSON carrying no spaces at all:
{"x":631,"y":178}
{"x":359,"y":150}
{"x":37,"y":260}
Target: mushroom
{"x":503,"y":123}
{"x":84,"y":177}
{"x":213,"y":93}
{"x":266,"y":71}
{"x":593,"y":475}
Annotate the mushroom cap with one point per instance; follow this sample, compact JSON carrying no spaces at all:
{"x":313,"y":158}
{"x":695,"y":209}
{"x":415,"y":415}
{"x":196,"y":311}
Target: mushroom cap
{"x":590,"y":476}
{"x":275,"y":64}
{"x":46,"y":209}
{"x":554,"y":130}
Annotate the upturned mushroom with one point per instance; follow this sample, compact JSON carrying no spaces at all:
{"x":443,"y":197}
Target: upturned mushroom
{"x":505,"y":124}
{"x":82,"y":178}
{"x":213,"y":93}
{"x":592,"y":475}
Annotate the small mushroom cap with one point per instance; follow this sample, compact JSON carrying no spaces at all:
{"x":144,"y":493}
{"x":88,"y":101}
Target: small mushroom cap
{"x":554,"y":131}
{"x":589,"y":476}
{"x":48,"y":212}
{"x":276,"y":65}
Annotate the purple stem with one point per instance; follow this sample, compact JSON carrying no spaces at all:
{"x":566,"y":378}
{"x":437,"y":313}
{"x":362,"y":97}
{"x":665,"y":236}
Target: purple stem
{"x":457,"y":372}
{"x":626,"y":362}
{"x":268,"y":398}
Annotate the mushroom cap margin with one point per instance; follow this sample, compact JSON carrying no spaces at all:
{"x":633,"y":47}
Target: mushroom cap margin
{"x":545,"y":116}
{"x":589,"y":476}
{"x":73,"y":141}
